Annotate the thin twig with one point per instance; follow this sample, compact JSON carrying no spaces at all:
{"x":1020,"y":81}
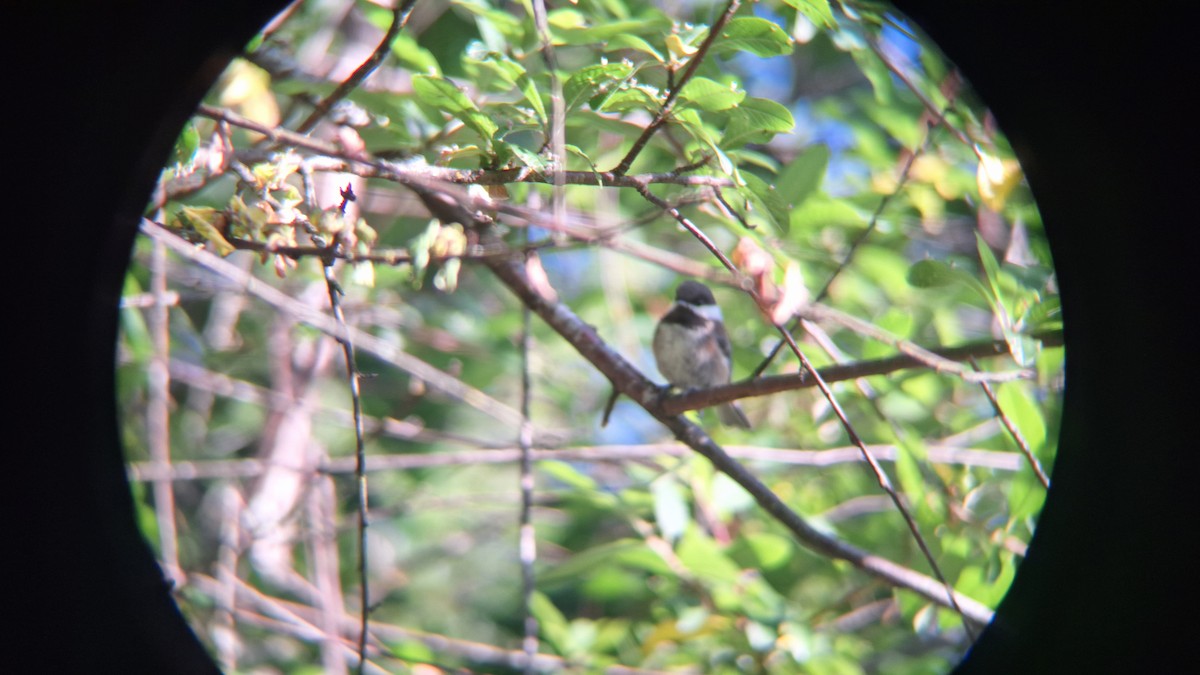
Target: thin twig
{"x":928,"y":357}
{"x":884,"y":482}
{"x":1016,"y":433}
{"x":251,"y":468}
{"x":197,"y":377}
{"x":437,"y":379}
{"x":905,"y":171}
{"x":665,"y":111}
{"x":158,"y":412}
{"x":399,"y":17}
{"x":360,"y":453}
{"x":528,"y":537}
{"x":379,"y":168}
{"x":806,"y":366}
{"x":223,"y":631}
{"x":938,"y":117}
{"x":300,"y":621}
{"x":557,"y":138}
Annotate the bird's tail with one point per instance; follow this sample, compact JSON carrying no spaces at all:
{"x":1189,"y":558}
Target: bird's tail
{"x":731,"y":415}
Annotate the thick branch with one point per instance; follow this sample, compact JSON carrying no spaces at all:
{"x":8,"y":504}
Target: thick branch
{"x":629,"y":381}
{"x":762,"y":386}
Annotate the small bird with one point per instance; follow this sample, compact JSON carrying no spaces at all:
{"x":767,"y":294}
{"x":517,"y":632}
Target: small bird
{"x":691,"y":346}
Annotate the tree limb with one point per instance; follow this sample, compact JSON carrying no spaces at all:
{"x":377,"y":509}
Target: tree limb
{"x":633,"y":384}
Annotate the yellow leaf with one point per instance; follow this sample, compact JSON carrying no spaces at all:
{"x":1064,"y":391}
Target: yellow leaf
{"x":996,"y":179}
{"x":678,"y":49}
{"x":208,"y":222}
{"x":247,"y":89}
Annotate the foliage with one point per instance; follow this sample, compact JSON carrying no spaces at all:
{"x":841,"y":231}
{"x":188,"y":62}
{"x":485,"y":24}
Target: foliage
{"x":822,"y":146}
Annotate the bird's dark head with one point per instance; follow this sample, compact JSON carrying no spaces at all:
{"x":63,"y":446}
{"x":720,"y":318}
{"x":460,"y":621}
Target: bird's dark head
{"x":694,"y":293}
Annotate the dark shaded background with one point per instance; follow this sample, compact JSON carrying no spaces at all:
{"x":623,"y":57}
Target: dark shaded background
{"x":1092,"y":102}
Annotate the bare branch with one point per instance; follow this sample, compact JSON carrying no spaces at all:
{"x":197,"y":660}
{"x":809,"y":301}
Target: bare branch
{"x":158,"y":412}
{"x":762,"y":386}
{"x":250,"y":468}
{"x":443,"y":382}
{"x":360,"y":453}
{"x":301,"y":621}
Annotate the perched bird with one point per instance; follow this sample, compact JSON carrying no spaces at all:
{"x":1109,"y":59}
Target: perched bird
{"x":691,"y":347}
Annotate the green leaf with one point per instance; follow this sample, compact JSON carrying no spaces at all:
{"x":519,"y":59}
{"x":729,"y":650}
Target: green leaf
{"x":1015,"y":399}
{"x":443,"y":95}
{"x":935,"y":273}
{"x":207,"y":222}
{"x":1026,"y":495}
{"x":567,"y":26}
{"x":527,"y":157}
{"x":817,"y":11}
{"x":710,"y":95}
{"x":756,"y":120}
{"x":631,"y":98}
{"x":766,"y":199}
{"x":592,"y":80}
{"x":635,"y":43}
{"x":494,"y":22}
{"x":497,"y":72}
{"x":187,"y":144}
{"x":820,"y":210}
{"x":803,"y":175}
{"x":910,"y":452}
{"x":629,"y":553}
{"x":691,"y":121}
{"x":578,"y":152}
{"x":670,"y":507}
{"x":551,"y":622}
{"x":1044,"y":314}
{"x":752,"y":34}
{"x":877,"y":74}
{"x":702,"y":557}
{"x":770,"y":549}
{"x":413,"y":56}
{"x":991,"y":268}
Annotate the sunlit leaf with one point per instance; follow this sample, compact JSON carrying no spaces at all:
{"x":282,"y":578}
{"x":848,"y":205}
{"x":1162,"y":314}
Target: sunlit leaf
{"x":702,"y":557}
{"x":671,"y":511}
{"x":1016,"y":402}
{"x":633,"y":42}
{"x":594,"y":79}
{"x":208,"y":223}
{"x":709,"y":95}
{"x":754,"y":35}
{"x":756,"y":120}
{"x":498,"y":72}
{"x":817,"y":11}
{"x":551,"y":622}
{"x":444,"y":95}
{"x":413,"y":56}
{"x":996,"y":179}
{"x":599,"y":32}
